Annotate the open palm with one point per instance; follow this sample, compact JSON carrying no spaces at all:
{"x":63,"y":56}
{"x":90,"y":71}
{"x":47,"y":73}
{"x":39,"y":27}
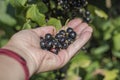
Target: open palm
{"x":27,"y":43}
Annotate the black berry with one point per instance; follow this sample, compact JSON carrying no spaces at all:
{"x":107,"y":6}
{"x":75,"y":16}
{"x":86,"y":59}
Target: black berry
{"x":87,"y":19}
{"x":58,"y":36}
{"x":62,"y":39}
{"x":62,"y":32}
{"x":64,"y":46}
{"x":69,"y":30}
{"x":72,"y":35}
{"x":87,"y":13}
{"x":43,"y":45}
{"x":49,"y":45}
{"x":48,"y":36}
{"x":69,"y":40}
{"x":59,"y":45}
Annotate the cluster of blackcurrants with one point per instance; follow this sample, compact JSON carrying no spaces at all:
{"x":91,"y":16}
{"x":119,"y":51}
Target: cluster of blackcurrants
{"x":60,"y":41}
{"x":69,"y":9}
{"x":77,"y":7}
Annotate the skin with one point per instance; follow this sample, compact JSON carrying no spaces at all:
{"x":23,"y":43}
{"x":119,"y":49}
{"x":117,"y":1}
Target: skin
{"x":26,"y":44}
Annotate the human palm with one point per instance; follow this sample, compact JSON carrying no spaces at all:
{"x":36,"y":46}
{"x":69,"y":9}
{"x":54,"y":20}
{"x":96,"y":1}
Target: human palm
{"x":27,"y":43}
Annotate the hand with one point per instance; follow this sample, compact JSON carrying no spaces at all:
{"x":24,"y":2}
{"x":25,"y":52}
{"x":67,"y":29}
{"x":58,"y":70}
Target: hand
{"x":26,"y":44}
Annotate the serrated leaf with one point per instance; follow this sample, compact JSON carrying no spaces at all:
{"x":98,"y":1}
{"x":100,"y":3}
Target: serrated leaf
{"x":55,"y":22}
{"x":101,"y":13}
{"x":18,"y":3}
{"x":34,"y":14}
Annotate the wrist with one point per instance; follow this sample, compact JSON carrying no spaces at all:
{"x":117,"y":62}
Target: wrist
{"x":30,"y":63}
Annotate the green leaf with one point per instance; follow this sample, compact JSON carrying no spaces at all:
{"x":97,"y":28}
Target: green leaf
{"x":55,"y":22}
{"x":81,"y":60}
{"x":7,"y":19}
{"x":52,"y":4}
{"x":116,"y":41}
{"x":3,"y":6}
{"x":111,"y":74}
{"x":108,"y":29}
{"x":100,"y":50}
{"x":3,"y":42}
{"x":18,"y":3}
{"x":116,"y":21}
{"x":27,"y":25}
{"x":116,"y":53}
{"x":101,"y":13}
{"x":34,"y":14}
{"x":91,"y":8}
{"x":42,"y":7}
{"x":92,"y":67}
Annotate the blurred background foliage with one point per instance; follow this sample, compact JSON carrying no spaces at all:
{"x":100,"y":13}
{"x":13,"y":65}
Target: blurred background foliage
{"x":101,"y":58}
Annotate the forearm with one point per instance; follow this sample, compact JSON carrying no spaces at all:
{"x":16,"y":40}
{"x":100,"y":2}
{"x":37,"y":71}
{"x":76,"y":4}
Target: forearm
{"x":30,"y":63}
{"x":10,"y":69}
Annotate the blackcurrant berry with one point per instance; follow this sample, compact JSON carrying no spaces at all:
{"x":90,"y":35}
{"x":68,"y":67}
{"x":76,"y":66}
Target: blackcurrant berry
{"x":62,"y":32}
{"x":55,"y":43}
{"x":58,"y":36}
{"x":43,"y":45}
{"x":69,"y":30}
{"x":59,"y":45}
{"x":87,"y":13}
{"x":87,"y":19}
{"x":62,"y":39}
{"x":83,"y":2}
{"x":69,"y":40}
{"x":72,"y":35}
{"x":48,"y":36}
{"x":78,"y":5}
{"x":64,"y":46}
{"x":49,"y":45}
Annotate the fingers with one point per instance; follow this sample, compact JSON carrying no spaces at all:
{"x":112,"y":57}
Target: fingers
{"x":50,"y":29}
{"x":80,"y":42}
{"x":80,"y":28}
{"x":65,"y":55}
{"x":44,"y":30}
{"x":84,"y":33}
{"x":77,"y":25}
{"x":75,"y":22}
